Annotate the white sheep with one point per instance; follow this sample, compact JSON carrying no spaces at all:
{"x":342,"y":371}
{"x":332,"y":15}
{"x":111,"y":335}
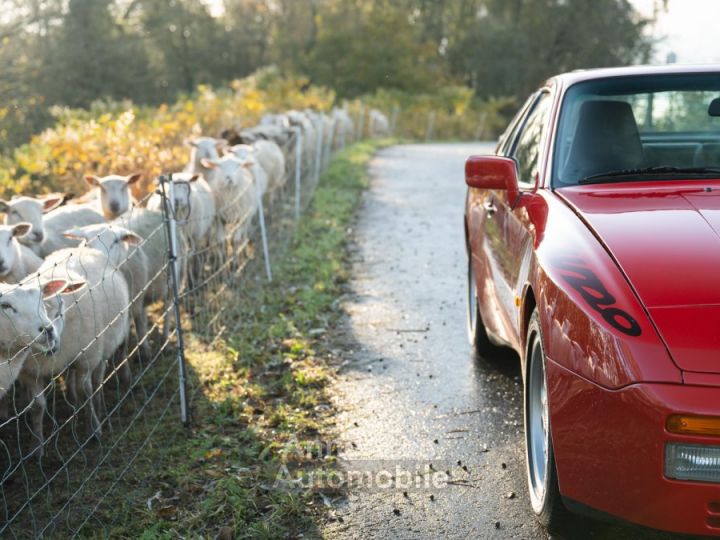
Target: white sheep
{"x":194,"y":205}
{"x":16,"y":260}
{"x":29,"y":210}
{"x":378,"y":124}
{"x":60,"y":220}
{"x":232,"y":184}
{"x":278,"y":120}
{"x":309,"y":134}
{"x":279,"y":135}
{"x":96,"y":324}
{"x":344,"y":128}
{"x":25,"y":326}
{"x":272,"y":159}
{"x":111,"y":195}
{"x":203,"y":148}
{"x":247,"y":153}
{"x":49,"y":221}
{"x":324,"y":125}
{"x":125,"y":250}
{"x":150,"y":226}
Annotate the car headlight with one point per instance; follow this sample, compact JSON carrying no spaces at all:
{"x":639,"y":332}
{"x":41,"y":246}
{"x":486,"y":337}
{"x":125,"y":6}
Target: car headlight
{"x":692,"y":462}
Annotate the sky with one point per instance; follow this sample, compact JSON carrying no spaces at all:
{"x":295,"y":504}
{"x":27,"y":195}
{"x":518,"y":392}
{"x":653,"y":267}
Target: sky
{"x":689,"y":28}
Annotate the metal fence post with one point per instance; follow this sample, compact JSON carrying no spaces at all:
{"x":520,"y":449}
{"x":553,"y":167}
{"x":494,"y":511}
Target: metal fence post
{"x":319,"y":149}
{"x":361,"y":123}
{"x":481,"y":126}
{"x":430,"y":126}
{"x":263,"y":231}
{"x":174,"y":274}
{"x":393,"y":119}
{"x":331,"y":140}
{"x":298,"y":169}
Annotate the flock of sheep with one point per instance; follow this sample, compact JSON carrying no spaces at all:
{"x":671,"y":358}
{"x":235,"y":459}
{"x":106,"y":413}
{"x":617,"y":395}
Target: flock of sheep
{"x":75,"y":276}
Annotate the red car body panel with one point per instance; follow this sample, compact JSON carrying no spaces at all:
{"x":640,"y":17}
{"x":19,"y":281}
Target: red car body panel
{"x":665,"y":237}
{"x":626,"y":280}
{"x":576,"y":334}
{"x":623,"y":476}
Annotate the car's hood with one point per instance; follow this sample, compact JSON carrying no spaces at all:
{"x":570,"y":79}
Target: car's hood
{"x":665,"y":237}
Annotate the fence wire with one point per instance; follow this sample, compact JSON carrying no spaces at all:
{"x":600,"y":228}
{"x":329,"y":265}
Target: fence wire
{"x":92,"y":342}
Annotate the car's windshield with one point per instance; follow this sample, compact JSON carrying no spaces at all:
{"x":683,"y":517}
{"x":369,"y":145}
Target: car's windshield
{"x":641,"y":127}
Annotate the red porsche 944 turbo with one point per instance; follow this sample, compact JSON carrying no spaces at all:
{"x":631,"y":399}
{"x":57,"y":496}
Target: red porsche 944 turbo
{"x":593,"y":238}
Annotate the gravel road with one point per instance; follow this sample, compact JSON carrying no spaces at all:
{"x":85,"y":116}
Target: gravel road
{"x":413,"y":401}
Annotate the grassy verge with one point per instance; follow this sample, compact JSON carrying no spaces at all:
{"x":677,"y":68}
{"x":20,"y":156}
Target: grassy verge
{"x":259,"y":396}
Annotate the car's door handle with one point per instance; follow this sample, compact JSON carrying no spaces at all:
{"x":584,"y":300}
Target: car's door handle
{"x":489,"y":207}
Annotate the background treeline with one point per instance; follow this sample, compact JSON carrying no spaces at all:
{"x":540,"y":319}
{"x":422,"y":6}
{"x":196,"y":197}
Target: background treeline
{"x":73,"y":53}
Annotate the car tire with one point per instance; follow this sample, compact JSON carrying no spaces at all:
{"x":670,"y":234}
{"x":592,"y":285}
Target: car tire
{"x":477,"y":335}
{"x":543,"y":489}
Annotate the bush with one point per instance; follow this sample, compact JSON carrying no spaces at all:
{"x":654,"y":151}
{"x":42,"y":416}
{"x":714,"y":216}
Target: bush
{"x":121,"y":138}
{"x":454,"y":111}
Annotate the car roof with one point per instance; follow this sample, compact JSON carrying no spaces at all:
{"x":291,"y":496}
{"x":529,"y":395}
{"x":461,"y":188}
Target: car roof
{"x":570,"y":78}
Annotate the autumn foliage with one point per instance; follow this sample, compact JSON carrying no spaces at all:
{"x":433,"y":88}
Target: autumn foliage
{"x":122,"y":138}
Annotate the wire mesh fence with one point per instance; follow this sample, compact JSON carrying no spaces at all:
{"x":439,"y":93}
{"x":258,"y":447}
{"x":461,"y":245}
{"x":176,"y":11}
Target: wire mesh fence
{"x":92,"y":340}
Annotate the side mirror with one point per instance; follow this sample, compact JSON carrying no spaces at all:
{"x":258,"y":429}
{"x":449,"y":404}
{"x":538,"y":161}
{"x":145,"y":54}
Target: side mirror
{"x":493,"y":172}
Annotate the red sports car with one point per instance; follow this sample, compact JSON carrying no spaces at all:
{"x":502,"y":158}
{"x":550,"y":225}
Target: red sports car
{"x":593,"y":239}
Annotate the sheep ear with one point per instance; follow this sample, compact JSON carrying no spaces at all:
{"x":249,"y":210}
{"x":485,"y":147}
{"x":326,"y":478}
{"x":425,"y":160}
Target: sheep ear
{"x":75,"y":234}
{"x":4,"y":206}
{"x":131,"y":238}
{"x":51,"y":203}
{"x":72,"y":287}
{"x":53,"y":287}
{"x":21,"y":229}
{"x":134,"y":178}
{"x":208,"y":164}
{"x":191,"y":143}
{"x":248,"y":164}
{"x":92,"y":180}
{"x":194,"y":178}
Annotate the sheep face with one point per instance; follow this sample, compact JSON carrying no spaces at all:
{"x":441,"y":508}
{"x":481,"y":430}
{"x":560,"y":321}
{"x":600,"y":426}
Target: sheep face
{"x":55,"y":308}
{"x":8,"y":249}
{"x":182,"y":193}
{"x":115,"y":197}
{"x":205,"y":148}
{"x":24,"y":321}
{"x":228,"y":171}
{"x":29,"y":210}
{"x":111,"y":240}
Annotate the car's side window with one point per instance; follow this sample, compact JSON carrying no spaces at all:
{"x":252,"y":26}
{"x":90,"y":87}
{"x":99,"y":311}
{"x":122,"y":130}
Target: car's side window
{"x":529,"y":141}
{"x":508,"y":138}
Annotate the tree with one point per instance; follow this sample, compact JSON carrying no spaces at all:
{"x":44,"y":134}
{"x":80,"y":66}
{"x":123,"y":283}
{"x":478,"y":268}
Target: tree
{"x":513,"y":45}
{"x":248,"y":25}
{"x":185,"y":42}
{"x":360,"y":51}
{"x":94,"y":58}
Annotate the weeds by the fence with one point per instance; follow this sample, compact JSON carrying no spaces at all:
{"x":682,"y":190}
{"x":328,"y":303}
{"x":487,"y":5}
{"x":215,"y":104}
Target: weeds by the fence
{"x":256,"y":391}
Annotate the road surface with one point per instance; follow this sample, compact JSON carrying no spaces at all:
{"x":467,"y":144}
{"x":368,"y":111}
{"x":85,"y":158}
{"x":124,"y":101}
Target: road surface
{"x":434,"y":434}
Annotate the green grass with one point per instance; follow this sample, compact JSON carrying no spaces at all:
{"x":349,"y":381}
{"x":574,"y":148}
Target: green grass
{"x":259,"y":395}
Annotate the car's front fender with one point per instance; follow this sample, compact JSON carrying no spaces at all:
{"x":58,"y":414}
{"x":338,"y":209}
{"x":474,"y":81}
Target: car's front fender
{"x":593,"y":323}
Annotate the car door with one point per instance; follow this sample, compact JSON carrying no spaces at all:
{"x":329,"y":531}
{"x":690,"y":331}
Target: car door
{"x":477,"y":220}
{"x":507,"y":244}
